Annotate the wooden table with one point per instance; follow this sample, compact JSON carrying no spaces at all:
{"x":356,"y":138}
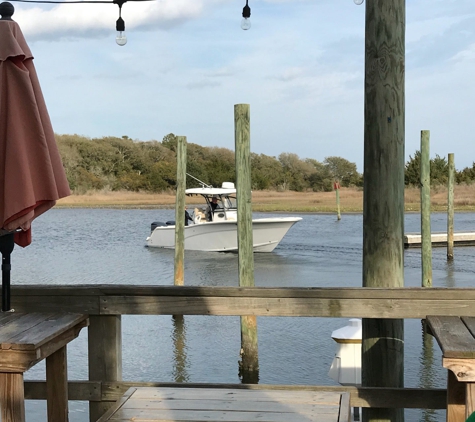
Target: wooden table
{"x":25,"y":339}
{"x":186,"y":404}
{"x":456,"y":338}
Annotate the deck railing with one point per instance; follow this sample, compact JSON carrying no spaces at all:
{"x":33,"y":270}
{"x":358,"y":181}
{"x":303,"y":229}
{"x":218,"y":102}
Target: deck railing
{"x":106,"y":303}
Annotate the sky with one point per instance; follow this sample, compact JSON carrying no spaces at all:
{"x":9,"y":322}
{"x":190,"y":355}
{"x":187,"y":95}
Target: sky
{"x":300,"y":67}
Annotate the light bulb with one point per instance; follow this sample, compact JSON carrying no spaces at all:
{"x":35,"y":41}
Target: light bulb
{"x":358,"y":2}
{"x":121,"y":39}
{"x":245,"y":23}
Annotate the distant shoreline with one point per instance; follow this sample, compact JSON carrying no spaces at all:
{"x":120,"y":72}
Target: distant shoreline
{"x":351,"y":201}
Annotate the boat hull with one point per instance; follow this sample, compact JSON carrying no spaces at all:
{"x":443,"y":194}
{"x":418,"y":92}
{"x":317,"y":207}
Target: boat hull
{"x":222,"y":236}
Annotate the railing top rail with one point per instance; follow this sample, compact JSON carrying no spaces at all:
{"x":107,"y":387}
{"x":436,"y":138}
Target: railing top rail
{"x":415,"y":293}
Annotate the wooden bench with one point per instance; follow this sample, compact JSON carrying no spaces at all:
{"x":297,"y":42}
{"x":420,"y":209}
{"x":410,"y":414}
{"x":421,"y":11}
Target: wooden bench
{"x":25,"y":339}
{"x":456,"y":338}
{"x":187,"y":404}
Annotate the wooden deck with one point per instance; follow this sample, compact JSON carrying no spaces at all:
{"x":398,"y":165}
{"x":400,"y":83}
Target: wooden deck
{"x":162,"y":404}
{"x":413,"y":240}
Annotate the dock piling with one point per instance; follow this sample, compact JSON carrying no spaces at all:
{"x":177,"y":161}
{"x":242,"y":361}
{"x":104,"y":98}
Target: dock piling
{"x":425,"y":210}
{"x":180,"y":211}
{"x":249,"y":351}
{"x":383,"y":200}
{"x":336,"y":186}
{"x":450,"y":208}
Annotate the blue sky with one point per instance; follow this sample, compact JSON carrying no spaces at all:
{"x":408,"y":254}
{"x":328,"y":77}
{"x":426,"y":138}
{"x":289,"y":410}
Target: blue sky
{"x":300,"y":67}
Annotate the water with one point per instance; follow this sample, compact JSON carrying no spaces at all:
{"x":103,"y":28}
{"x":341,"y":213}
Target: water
{"x":96,"y":246}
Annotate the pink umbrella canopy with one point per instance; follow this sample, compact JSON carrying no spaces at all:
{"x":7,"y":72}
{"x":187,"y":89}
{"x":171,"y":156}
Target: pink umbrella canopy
{"x":32,"y":176}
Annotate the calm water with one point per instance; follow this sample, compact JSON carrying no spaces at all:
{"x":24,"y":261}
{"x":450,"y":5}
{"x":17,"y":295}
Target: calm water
{"x":107,"y":246}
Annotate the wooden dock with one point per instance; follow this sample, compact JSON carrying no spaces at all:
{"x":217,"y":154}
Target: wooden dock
{"x":184,"y":404}
{"x":413,"y":240}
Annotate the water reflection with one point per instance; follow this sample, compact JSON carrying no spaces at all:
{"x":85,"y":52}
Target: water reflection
{"x":427,"y":371}
{"x":450,"y":274}
{"x":180,"y":373}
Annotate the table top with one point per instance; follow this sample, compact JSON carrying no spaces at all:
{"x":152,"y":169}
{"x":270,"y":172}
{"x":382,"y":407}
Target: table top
{"x":455,"y":335}
{"x":188,"y":404}
{"x":26,"y":338}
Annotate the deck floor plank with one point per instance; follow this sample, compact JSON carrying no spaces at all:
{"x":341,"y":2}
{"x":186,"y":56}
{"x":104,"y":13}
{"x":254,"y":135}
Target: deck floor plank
{"x":163,"y":404}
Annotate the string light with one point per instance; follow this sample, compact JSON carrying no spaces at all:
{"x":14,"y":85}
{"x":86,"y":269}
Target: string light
{"x":246,"y":15}
{"x":121,"y":39}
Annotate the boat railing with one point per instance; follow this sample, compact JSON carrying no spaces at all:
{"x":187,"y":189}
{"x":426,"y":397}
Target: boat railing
{"x":105,"y":305}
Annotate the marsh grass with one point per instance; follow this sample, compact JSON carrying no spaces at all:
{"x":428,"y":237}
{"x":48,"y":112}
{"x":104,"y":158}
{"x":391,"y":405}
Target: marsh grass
{"x":351,"y":200}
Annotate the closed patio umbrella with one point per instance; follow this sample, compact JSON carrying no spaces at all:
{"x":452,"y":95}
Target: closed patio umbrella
{"x":32,"y":176}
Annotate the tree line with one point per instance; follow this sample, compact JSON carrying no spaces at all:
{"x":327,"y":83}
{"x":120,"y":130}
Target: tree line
{"x":439,"y":171}
{"x":124,"y":164}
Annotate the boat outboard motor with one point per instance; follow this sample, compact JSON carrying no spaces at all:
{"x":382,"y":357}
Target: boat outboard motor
{"x":156,"y":224}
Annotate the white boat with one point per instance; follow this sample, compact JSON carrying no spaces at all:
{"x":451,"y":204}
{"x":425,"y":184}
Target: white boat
{"x":217,"y":231}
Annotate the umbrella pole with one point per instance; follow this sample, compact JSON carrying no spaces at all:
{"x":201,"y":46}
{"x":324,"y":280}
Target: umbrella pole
{"x":6,"y":248}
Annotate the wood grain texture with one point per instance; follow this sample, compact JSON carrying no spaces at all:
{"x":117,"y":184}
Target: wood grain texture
{"x":454,"y":338}
{"x":242,"y":139}
{"x":57,"y":386}
{"x":12,"y":398}
{"x":469,"y":399}
{"x":415,"y":398}
{"x":179,"y":279}
{"x":450,"y":206}
{"x":455,"y":399}
{"x":26,"y":339}
{"x":425,"y":210}
{"x":383,"y":192}
{"x":249,"y":343}
{"x":343,"y":308}
{"x":190,"y":404}
{"x":80,"y":294}
{"x":105,"y":356}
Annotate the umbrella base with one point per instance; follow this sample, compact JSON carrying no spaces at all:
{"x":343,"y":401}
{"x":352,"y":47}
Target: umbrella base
{"x":6,"y":248}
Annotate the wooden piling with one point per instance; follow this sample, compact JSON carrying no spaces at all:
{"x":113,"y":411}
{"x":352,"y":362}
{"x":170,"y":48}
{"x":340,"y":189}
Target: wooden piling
{"x":336,"y":185}
{"x":383,"y":203}
{"x":180,"y":211}
{"x":450,"y":208}
{"x":249,"y":351}
{"x":426,"y":243}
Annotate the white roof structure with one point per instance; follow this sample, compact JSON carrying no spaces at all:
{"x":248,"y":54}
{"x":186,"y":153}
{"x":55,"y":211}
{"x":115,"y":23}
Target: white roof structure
{"x":226,"y":189}
{"x":210,"y":191}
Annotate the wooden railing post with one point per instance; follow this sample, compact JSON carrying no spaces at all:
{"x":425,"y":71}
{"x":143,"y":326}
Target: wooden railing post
{"x":105,"y":356}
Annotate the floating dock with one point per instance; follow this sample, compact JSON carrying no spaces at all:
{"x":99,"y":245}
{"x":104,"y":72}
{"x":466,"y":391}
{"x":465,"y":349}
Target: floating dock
{"x":413,"y":240}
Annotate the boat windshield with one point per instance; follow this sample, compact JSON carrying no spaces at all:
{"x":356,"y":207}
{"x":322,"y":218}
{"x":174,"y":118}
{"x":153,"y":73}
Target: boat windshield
{"x":229,"y":202}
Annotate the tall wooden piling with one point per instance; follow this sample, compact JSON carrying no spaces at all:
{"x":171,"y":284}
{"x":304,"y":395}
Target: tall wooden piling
{"x":450,"y":208}
{"x":383,"y":204}
{"x":180,"y":211}
{"x":336,"y":186}
{"x":426,"y":241}
{"x":249,"y":350}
